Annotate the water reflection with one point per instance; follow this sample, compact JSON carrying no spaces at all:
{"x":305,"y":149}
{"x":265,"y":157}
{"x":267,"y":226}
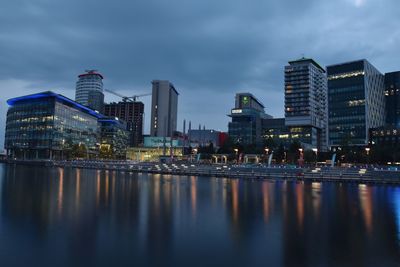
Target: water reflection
{"x":92,"y":217}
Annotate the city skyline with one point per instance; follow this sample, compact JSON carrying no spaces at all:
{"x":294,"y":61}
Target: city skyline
{"x":236,"y":48}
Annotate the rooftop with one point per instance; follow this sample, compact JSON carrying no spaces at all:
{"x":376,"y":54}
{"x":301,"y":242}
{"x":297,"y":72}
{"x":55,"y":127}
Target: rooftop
{"x":61,"y":98}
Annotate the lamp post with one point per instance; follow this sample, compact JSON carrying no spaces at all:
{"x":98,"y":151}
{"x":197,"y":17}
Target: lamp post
{"x":367,"y":149}
{"x":236,"y":152}
{"x":301,"y":160}
{"x":266,"y":152}
{"x":316,"y":155}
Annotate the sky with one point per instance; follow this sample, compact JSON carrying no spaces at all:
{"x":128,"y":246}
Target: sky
{"x":210,"y":50}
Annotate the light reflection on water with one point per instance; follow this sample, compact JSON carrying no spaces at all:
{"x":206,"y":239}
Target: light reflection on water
{"x":71,"y":217}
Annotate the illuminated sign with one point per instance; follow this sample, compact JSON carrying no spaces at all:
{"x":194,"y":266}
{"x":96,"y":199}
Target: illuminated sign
{"x":236,"y":111}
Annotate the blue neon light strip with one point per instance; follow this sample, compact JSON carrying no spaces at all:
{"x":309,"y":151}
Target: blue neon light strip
{"x":13,"y":101}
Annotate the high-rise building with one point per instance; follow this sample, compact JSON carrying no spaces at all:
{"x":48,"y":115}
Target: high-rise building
{"x":356,"y":102}
{"x":132,"y":114}
{"x":89,"y":90}
{"x":247,"y":116}
{"x":49,"y":126}
{"x":306,"y":102}
{"x":164,"y":109}
{"x":392,"y":96}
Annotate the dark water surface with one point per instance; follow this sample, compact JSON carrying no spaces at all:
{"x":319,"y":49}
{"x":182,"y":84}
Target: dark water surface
{"x":78,"y":217}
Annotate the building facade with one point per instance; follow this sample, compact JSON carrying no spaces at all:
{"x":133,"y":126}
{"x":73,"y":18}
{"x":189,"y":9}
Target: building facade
{"x":204,"y":137}
{"x":48,"y":125}
{"x":89,"y":90}
{"x":246,"y":125}
{"x":392,"y":97}
{"x":306,"y":101}
{"x":114,"y":138}
{"x":132,"y":113}
{"x":356,"y":102}
{"x":164,"y":109}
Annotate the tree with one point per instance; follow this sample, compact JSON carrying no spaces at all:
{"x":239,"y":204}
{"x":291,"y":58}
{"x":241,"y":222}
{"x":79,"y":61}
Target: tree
{"x":79,"y":151}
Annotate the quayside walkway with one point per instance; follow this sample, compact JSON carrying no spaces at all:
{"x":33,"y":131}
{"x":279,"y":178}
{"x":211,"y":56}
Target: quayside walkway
{"x":278,"y":172}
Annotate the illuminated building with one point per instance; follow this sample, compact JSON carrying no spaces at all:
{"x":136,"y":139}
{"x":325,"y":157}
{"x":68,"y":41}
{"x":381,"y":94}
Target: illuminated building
{"x":356,"y":102}
{"x":306,"y":101}
{"x":247,"y":116}
{"x":132,"y":114}
{"x":47,"y":125}
{"x":114,"y":138}
{"x":164,"y":109}
{"x":89,"y":90}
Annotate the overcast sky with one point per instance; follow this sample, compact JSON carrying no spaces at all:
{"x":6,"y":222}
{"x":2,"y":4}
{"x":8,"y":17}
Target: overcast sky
{"x":209,"y":49}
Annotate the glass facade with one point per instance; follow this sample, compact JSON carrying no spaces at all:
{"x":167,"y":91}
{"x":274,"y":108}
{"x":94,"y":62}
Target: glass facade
{"x":113,"y":138}
{"x":247,"y":116}
{"x":356,"y":102}
{"x":47,"y":125}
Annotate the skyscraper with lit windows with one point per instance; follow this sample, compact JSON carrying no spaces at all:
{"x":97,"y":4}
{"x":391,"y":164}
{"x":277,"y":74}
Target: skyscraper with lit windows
{"x":306,"y":102}
{"x":89,"y":90}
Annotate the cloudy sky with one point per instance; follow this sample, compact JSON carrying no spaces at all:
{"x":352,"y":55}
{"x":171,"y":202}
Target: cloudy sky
{"x":209,"y":49}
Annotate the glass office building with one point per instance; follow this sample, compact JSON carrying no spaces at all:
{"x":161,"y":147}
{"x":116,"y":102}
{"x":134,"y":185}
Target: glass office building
{"x":356,"y":102}
{"x":48,"y":126}
{"x":247,"y":116}
{"x":114,"y":138}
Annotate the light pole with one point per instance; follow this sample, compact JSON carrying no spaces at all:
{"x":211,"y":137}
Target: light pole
{"x":367,"y":149}
{"x":236,"y":152}
{"x":266,"y":153}
{"x":301,"y":157}
{"x":316,"y":155}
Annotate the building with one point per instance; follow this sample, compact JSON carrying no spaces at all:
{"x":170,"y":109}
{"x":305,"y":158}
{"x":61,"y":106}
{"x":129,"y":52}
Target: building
{"x":392,"y":97}
{"x":132,"y":113}
{"x":49,"y":126}
{"x":246,"y":125}
{"x":89,"y":90}
{"x":164,"y":109}
{"x":114,"y":138}
{"x":204,"y":137}
{"x":356,"y":102}
{"x":156,"y":148}
{"x":306,"y":102}
{"x":276,"y":131}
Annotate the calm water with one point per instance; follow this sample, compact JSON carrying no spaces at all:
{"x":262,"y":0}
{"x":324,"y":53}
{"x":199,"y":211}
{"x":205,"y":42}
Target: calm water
{"x":77,"y":217}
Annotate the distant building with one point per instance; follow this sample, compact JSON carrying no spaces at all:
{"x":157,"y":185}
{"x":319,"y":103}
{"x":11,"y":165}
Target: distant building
{"x":306,"y":102}
{"x":205,"y":137}
{"x":132,"y":114}
{"x":247,"y":116}
{"x":89,"y":90}
{"x":356,"y":102}
{"x":164,"y":109}
{"x":114,"y":138}
{"x":47,"y":125}
{"x":392,"y":97}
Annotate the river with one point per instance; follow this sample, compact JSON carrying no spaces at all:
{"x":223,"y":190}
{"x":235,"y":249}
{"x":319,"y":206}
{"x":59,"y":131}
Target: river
{"x":83,"y":217}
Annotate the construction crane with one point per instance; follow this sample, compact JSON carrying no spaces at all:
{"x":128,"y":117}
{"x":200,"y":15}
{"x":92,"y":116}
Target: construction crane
{"x":127,"y":98}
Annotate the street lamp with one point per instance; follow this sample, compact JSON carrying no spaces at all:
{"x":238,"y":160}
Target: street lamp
{"x":236,"y":152}
{"x":316,"y":155}
{"x":367,"y":149}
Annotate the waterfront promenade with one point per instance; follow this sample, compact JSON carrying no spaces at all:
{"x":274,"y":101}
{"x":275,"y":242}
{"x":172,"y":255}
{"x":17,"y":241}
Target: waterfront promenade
{"x":382,"y":175}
